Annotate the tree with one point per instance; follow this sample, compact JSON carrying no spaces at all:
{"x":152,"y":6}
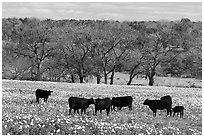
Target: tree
{"x":76,"y":47}
{"x":33,"y":41}
{"x":160,"y":46}
{"x":134,"y":67}
{"x":103,"y":44}
{"x":111,"y":41}
{"x":13,"y":67}
{"x":174,"y":68}
{"x":188,"y":63}
{"x":69,"y":49}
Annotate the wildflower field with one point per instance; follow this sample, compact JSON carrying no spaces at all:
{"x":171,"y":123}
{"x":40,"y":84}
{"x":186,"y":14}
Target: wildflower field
{"x":22,"y":116}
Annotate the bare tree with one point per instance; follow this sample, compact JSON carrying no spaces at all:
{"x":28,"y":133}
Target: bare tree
{"x":160,"y":46}
{"x":33,"y":41}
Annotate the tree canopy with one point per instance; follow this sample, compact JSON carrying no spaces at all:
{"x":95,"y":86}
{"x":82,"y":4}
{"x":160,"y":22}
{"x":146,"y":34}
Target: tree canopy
{"x":72,"y":50}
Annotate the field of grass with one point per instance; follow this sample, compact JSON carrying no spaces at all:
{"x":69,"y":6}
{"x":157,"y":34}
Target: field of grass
{"x":21,"y":115}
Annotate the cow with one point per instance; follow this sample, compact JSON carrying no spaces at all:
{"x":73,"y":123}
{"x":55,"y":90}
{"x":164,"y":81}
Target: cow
{"x":40,"y":93}
{"x":125,"y":101}
{"x":101,"y":104}
{"x":115,"y":103}
{"x":77,"y":103}
{"x":178,"y":109}
{"x":157,"y":104}
{"x":169,"y":100}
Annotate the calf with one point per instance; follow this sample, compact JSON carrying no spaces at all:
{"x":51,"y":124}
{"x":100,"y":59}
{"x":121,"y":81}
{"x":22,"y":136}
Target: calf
{"x":169,"y":100}
{"x":178,"y":109}
{"x":40,"y":93}
{"x":79,"y":103}
{"x":158,"y":104}
{"x":125,"y":101}
{"x":102,"y":104}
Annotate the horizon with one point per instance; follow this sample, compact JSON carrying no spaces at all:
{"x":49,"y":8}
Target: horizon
{"x":118,"y":11}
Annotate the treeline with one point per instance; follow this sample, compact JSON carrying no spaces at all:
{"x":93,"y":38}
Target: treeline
{"x":72,"y":50}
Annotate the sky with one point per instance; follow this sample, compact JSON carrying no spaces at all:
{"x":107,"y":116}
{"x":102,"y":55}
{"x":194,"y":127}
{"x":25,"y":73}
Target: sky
{"x":121,"y":11}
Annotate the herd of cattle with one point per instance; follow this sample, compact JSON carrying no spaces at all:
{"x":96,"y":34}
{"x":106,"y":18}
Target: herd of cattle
{"x":108,"y":104}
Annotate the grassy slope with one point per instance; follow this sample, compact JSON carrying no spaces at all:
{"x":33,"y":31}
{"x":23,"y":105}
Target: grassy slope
{"x":19,"y":116}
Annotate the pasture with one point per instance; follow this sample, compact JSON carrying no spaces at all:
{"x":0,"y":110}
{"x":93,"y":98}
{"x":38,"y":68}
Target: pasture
{"x":22,"y":116}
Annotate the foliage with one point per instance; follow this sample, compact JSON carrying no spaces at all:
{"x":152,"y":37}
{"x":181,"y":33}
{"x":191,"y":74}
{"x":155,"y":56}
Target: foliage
{"x":67,"y":50}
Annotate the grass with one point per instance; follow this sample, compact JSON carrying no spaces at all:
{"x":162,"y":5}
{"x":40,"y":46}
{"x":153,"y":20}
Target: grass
{"x":22,"y":116}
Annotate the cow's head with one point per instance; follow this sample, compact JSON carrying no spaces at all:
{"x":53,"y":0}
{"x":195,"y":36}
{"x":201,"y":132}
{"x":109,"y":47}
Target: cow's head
{"x":50,"y":92}
{"x":146,"y":102}
{"x":96,"y":101}
{"x":91,"y":101}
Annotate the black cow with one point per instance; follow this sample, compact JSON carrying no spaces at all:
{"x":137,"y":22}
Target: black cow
{"x":158,"y":104}
{"x":115,"y":103}
{"x":79,"y":103}
{"x":178,"y":109}
{"x":125,"y":101}
{"x":40,"y":93}
{"x":169,"y":100}
{"x":102,"y":104}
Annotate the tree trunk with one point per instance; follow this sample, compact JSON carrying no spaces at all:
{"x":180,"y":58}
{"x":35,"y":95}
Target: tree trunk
{"x":38,"y":75}
{"x":72,"y":78}
{"x":112,"y":76}
{"x":151,"y":80}
{"x":151,"y":77}
{"x":98,"y":78}
{"x":81,"y":78}
{"x":105,"y":78}
{"x":131,"y":76}
{"x":130,"y":80}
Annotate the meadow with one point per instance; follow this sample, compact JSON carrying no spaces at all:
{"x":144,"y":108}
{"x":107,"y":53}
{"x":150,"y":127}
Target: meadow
{"x":22,"y":116}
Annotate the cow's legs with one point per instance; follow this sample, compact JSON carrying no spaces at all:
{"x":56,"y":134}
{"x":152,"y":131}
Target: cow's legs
{"x":113,"y":108}
{"x":83,"y":110}
{"x":170,"y":112}
{"x":37,"y":99}
{"x":130,"y":107}
{"x":70,"y":111}
{"x":181,"y":114}
{"x":167,"y":112}
{"x":108,"y":110}
{"x":154,"y":113}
